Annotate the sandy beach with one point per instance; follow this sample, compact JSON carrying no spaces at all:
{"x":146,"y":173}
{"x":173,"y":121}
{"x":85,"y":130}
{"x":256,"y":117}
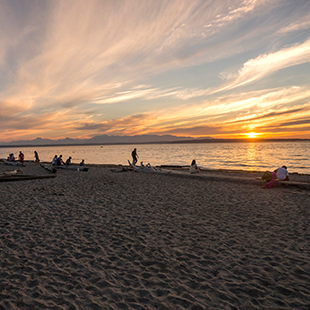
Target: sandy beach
{"x":106,"y":239}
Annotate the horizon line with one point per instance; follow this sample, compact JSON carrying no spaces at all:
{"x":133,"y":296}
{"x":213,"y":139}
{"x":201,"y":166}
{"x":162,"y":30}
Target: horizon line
{"x":199,"y":140}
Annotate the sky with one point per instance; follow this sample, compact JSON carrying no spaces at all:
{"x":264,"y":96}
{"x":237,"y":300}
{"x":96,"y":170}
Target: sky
{"x":221,"y":69}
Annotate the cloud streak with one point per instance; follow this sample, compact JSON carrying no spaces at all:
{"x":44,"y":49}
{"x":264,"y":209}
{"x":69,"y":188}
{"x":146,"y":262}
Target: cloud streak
{"x":300,"y":24}
{"x":266,"y":64}
{"x":243,"y":113}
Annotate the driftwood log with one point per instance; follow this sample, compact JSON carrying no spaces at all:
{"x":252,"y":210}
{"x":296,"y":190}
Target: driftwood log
{"x":18,"y":177}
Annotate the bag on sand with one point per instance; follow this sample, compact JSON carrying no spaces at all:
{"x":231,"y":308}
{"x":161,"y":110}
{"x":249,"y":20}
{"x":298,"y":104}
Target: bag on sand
{"x":267,"y":176}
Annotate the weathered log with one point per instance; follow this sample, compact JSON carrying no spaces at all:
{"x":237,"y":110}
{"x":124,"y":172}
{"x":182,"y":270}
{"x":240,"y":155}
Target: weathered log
{"x":11,"y":178}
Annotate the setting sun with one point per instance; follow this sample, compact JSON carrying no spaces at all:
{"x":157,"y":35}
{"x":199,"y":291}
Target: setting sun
{"x":252,"y":135}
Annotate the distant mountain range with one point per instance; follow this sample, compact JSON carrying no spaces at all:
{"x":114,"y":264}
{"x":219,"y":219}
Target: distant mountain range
{"x":102,"y":139}
{"x":139,"y":139}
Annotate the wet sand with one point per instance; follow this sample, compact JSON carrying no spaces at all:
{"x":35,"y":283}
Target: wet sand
{"x":104,"y":239}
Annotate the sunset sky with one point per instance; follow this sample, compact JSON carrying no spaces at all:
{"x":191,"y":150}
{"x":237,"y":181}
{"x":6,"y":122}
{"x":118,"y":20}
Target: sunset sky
{"x":225,"y":69}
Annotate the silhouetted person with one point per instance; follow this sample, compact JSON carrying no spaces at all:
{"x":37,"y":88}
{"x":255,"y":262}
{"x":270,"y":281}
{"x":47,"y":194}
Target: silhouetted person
{"x":59,"y":161}
{"x":54,"y":160}
{"x":36,"y":156}
{"x":194,"y":168}
{"x":11,"y":157}
{"x":135,"y":156}
{"x":68,"y":161}
{"x":21,"y":157}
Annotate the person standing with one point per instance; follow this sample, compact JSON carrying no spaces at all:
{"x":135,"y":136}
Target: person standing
{"x":21,"y":157}
{"x":135,"y":156}
{"x":36,"y":156}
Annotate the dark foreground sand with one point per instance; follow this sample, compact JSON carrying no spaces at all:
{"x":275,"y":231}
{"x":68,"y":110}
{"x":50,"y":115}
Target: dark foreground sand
{"x":125,"y":240}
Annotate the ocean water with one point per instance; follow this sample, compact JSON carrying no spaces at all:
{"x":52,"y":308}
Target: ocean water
{"x":259,"y":156}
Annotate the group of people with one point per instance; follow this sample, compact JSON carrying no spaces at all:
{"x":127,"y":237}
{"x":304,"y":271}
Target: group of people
{"x":21,"y":157}
{"x":58,"y":161}
{"x":280,"y":173}
{"x":11,"y":157}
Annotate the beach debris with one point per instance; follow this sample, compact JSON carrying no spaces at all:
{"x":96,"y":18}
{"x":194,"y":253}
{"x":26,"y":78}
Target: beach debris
{"x":13,"y":172}
{"x":14,"y":163}
{"x":72,"y":167}
{"x":120,"y":169}
{"x":49,"y":168}
{"x":21,"y":177}
{"x":146,"y":168}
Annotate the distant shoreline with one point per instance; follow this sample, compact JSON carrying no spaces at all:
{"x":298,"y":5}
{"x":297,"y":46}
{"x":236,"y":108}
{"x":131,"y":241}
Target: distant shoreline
{"x":200,"y":141}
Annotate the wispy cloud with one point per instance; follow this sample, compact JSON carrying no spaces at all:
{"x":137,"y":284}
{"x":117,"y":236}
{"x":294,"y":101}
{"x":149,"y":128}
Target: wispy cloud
{"x":83,"y":47}
{"x":233,"y":12}
{"x":148,"y":93}
{"x":225,"y":115}
{"x":299,"y":24}
{"x":267,"y":64}
{"x":222,"y":116}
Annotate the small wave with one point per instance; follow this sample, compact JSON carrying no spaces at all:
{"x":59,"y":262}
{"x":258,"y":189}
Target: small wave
{"x":252,"y":165}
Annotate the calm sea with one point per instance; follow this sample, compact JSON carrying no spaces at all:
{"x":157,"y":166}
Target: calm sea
{"x":246,"y":156}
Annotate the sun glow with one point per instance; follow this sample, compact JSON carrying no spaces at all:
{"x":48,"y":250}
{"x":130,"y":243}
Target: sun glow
{"x":252,"y":135}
